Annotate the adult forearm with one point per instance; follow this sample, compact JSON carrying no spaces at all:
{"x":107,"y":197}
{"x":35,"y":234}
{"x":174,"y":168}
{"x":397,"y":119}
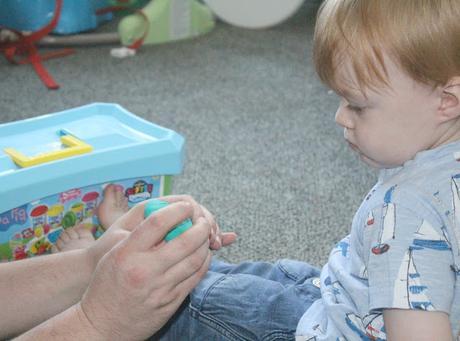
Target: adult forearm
{"x":34,"y":290}
{"x":71,"y":324}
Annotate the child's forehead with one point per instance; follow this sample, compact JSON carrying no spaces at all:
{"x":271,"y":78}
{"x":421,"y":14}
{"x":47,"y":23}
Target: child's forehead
{"x":346,"y":82}
{"x":351,"y":94}
{"x":357,"y":80}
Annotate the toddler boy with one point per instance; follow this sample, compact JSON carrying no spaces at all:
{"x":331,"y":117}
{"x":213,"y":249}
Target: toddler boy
{"x":396,"y":66}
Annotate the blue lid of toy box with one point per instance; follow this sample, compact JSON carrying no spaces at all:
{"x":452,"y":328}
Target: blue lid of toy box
{"x":123,"y":146}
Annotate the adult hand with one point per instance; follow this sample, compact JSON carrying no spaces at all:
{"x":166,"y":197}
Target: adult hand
{"x":119,"y":231}
{"x":217,"y":238}
{"x":139,"y":284}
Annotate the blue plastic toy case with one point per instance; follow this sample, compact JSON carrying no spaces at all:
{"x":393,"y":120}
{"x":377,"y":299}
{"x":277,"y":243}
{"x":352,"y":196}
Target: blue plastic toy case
{"x":54,"y":168}
{"x":31,"y":15}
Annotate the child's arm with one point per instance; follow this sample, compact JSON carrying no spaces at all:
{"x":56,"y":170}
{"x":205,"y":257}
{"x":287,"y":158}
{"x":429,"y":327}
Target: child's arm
{"x":417,"y":325}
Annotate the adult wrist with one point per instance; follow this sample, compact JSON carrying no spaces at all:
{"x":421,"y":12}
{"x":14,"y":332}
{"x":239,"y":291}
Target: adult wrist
{"x":92,"y":333}
{"x":91,"y":259}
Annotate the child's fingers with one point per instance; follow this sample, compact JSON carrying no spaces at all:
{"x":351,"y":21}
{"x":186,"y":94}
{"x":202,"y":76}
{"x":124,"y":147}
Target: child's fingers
{"x":72,"y":232}
{"x":228,"y":238}
{"x":209,"y":217}
{"x":64,"y":236}
{"x":224,"y":239}
{"x":214,"y":240}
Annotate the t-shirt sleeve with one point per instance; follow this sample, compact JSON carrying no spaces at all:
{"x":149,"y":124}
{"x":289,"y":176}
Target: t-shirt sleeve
{"x":409,"y":259}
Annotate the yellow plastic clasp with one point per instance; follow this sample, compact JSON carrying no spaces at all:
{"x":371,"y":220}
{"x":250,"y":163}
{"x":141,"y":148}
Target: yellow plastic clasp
{"x":75,"y":147}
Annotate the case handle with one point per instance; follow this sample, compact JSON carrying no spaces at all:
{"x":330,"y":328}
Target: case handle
{"x":75,"y":147}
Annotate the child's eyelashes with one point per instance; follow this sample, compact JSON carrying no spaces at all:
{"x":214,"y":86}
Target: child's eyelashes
{"x":355,"y":108}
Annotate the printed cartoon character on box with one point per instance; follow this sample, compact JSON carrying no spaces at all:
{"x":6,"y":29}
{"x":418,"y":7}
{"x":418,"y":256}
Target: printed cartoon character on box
{"x":20,"y":252}
{"x":27,"y":233}
{"x":140,"y":191}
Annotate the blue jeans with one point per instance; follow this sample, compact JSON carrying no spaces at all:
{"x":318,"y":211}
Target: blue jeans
{"x":247,"y":301}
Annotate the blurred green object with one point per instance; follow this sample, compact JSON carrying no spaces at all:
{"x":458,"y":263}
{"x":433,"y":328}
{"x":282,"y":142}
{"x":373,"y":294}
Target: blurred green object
{"x":166,"y":20}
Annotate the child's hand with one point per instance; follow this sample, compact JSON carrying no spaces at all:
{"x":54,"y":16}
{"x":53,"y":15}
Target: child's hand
{"x":217,"y":239}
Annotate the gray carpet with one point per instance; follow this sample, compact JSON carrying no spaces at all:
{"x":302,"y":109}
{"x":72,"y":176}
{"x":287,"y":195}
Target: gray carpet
{"x":263,"y":151}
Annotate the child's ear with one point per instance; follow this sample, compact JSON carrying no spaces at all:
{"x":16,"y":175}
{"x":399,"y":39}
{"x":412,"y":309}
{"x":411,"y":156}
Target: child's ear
{"x":449,"y":107}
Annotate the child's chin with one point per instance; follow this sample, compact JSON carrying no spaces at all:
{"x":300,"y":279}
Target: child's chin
{"x":370,"y":162}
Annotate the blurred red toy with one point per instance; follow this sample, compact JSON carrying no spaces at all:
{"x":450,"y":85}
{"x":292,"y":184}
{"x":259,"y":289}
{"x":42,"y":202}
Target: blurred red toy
{"x":24,"y":46}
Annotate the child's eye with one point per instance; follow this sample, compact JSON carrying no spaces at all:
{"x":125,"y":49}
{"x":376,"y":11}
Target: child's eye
{"x":355,"y":109}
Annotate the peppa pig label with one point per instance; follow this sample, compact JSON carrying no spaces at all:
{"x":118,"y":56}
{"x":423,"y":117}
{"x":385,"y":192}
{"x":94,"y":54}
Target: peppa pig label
{"x":31,"y":229}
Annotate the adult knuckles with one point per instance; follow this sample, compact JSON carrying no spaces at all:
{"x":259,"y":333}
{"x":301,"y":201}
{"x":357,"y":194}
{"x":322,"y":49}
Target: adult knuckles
{"x":127,"y":264}
{"x":155,"y":224}
{"x":120,"y":257}
{"x":194,"y":238}
{"x":136,"y":276}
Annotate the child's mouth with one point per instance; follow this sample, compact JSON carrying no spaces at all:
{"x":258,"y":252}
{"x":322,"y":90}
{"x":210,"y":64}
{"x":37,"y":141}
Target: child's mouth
{"x":353,"y":146}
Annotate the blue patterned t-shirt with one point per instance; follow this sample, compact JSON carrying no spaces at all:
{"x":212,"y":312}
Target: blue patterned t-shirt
{"x":402,"y":252}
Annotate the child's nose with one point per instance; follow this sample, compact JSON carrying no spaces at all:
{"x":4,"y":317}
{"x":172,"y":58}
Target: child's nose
{"x":342,"y":118}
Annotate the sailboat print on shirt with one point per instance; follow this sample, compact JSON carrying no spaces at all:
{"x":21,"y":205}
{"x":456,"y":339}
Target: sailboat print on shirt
{"x":428,"y":238}
{"x":356,"y":324}
{"x":371,"y":327}
{"x":387,"y":231}
{"x":375,"y":327}
{"x":370,"y":219}
{"x":409,"y":293}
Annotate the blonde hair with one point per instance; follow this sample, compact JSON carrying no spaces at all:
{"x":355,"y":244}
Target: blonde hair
{"x":421,"y":36}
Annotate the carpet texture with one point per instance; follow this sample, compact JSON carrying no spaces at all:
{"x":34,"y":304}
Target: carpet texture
{"x":263,"y":151}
